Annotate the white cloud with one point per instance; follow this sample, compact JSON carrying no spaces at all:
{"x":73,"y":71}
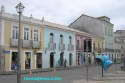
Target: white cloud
{"x":66,"y":11}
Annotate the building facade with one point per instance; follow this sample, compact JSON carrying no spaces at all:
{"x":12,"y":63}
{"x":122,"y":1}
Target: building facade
{"x":108,"y":36}
{"x":32,"y":37}
{"x":119,"y":40}
{"x":82,"y":53}
{"x":59,"y":42}
{"x":97,"y":46}
{"x":99,"y":27}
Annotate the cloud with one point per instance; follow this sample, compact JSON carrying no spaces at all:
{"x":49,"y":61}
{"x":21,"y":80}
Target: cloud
{"x":66,"y":11}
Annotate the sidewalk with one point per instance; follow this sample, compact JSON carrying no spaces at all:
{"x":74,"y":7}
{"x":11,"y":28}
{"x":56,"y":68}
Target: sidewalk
{"x":117,"y":77}
{"x":43,"y":70}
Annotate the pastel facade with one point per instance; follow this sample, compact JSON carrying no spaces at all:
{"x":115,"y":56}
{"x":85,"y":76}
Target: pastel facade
{"x":108,"y":36}
{"x":59,"y":42}
{"x":82,"y":53}
{"x":32,"y":45}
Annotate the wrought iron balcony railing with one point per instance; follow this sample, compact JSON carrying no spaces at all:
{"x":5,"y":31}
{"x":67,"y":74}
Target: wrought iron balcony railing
{"x":36,"y":44}
{"x":70,"y":47}
{"x":52,"y":46}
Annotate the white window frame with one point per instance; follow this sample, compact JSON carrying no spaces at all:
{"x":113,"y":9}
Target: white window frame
{"x":29,"y":32}
{"x":78,"y":38}
{"x":12,"y":29}
{"x":38,"y":34}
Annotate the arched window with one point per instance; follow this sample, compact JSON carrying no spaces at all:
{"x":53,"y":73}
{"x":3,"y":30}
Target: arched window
{"x":70,"y":40}
{"x":78,"y":42}
{"x":51,"y":38}
{"x":61,"y":39}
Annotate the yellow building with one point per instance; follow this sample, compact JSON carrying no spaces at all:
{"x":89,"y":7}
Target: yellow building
{"x":98,"y":45}
{"x":32,"y":37}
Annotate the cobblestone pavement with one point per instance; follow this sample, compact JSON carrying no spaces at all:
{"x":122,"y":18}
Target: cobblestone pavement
{"x":75,"y":75}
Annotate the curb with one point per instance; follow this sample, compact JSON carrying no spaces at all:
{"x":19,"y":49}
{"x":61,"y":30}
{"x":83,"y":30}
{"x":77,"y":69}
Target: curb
{"x":43,"y":70}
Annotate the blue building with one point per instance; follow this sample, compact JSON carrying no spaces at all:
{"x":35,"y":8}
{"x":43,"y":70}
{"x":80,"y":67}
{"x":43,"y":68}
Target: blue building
{"x":59,"y":42}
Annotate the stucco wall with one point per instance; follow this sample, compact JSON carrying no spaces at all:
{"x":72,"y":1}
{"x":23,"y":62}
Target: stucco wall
{"x":57,"y":33}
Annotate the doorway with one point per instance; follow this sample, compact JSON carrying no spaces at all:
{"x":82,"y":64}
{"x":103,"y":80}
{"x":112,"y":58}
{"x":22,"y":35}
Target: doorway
{"x":27,"y":60}
{"x":70,"y":59}
{"x":38,"y":60}
{"x":14,"y":60}
{"x":61,"y":58}
{"x":51,"y":59}
{"x":79,"y":61}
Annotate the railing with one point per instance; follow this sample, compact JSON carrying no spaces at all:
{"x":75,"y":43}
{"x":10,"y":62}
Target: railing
{"x":61,"y":46}
{"x":52,"y":46}
{"x":36,"y":44}
{"x":70,"y":47}
{"x":13,"y":42}
{"x":26,"y":43}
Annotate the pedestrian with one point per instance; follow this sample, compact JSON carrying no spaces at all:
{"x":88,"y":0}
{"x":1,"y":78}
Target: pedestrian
{"x":89,"y":60}
{"x":65,"y":62}
{"x":59,"y":62}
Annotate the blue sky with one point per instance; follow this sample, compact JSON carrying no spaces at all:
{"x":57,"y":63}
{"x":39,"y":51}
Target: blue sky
{"x":66,"y":11}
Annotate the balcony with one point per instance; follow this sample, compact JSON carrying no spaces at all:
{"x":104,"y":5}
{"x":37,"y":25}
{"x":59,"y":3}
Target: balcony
{"x":61,"y":46}
{"x":52,"y":46}
{"x":70,"y":47}
{"x":26,"y":43}
{"x":13,"y":42}
{"x":99,"y":50}
{"x":37,"y":44}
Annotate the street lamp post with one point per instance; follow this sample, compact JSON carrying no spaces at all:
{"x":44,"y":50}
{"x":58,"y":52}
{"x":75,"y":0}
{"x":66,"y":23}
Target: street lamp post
{"x":19,"y":9}
{"x":87,"y":58}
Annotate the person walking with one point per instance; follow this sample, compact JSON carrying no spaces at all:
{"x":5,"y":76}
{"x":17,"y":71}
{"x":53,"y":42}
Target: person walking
{"x":65,"y":62}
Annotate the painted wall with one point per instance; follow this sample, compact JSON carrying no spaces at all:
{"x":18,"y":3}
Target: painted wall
{"x":8,"y":25}
{"x":82,"y":38}
{"x":57,"y":33}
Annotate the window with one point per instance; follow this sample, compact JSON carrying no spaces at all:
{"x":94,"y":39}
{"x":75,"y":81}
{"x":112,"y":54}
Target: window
{"x":61,"y":39}
{"x":36,"y":35}
{"x":26,"y":33}
{"x":94,"y":45}
{"x":70,"y":40}
{"x":15,"y":32}
{"x":51,"y":38}
{"x":83,"y":43}
{"x":78,"y":42}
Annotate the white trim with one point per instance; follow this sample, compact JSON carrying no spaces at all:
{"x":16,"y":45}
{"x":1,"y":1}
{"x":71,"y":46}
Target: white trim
{"x":30,"y":59}
{"x":2,"y":32}
{"x":38,"y":33}
{"x":36,"y":58}
{"x":25,"y":26}
{"x":78,"y":38}
{"x":14,"y":24}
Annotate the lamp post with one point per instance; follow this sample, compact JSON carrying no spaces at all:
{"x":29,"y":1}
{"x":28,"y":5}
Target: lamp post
{"x":19,"y":9}
{"x":87,"y":58}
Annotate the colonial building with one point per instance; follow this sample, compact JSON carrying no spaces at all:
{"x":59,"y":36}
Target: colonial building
{"x":119,"y":39}
{"x":59,"y":43}
{"x":97,"y":45}
{"x":100,"y":27}
{"x":83,"y":40}
{"x":32,"y":45}
{"x":108,"y":36}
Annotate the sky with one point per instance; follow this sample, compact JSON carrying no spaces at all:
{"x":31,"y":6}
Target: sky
{"x":66,"y":11}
